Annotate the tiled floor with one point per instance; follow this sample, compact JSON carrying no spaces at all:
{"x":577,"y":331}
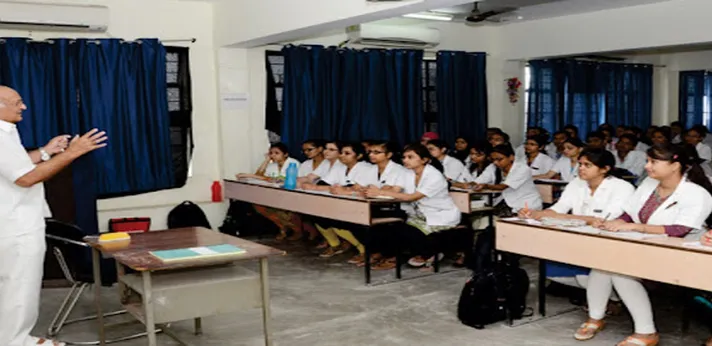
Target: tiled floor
{"x":324,"y":302}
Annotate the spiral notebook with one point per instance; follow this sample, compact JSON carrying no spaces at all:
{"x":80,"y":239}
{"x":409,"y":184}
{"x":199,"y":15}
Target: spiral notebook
{"x":198,"y":253}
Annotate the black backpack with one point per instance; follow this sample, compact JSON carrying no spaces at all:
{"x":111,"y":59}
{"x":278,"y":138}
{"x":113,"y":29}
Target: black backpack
{"x":187,"y":214}
{"x":495,"y":291}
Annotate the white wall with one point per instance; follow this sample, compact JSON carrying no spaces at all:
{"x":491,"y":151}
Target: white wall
{"x":166,"y":20}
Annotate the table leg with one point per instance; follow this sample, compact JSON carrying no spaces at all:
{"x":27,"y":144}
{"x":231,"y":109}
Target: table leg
{"x":148,"y":308}
{"x":541,"y":287}
{"x":264,"y":278}
{"x":96,"y":264}
{"x":367,"y":256}
{"x":120,"y":272}
{"x":198,"y":326}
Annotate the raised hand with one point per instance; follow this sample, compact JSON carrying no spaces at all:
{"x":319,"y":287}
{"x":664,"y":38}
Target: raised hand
{"x":87,"y":143}
{"x":57,"y":144}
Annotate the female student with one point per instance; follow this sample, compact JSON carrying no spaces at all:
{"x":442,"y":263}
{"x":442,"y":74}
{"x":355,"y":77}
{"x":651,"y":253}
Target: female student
{"x":453,"y":168}
{"x":275,"y":166}
{"x":462,"y":149}
{"x":332,"y":151}
{"x":674,"y":200}
{"x":427,"y":203}
{"x":479,"y":164}
{"x":594,"y":195}
{"x":350,"y":179}
{"x":537,"y":160}
{"x":513,"y":178}
{"x":567,"y":166}
{"x":313,"y":149}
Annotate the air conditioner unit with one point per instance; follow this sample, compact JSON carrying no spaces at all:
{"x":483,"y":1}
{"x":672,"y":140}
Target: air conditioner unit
{"x":52,"y":17}
{"x":404,"y":36}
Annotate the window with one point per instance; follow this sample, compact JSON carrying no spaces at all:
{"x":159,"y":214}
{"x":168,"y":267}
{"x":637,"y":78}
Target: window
{"x":275,"y":87}
{"x":430,"y":97}
{"x":527,"y":86}
{"x":180,"y":108}
{"x":695,"y":98}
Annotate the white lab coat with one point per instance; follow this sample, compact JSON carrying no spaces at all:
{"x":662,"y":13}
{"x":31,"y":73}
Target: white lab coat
{"x":542,"y":164}
{"x":551,"y":150}
{"x":453,"y":169}
{"x":326,"y":167}
{"x":634,"y":162}
{"x":563,"y":168}
{"x":704,"y":151}
{"x":688,"y":206}
{"x":607,"y":202}
{"x":520,"y":153}
{"x":361,"y":173}
{"x":273,"y":171}
{"x":642,"y":147}
{"x":437,"y":206}
{"x":521,"y":190}
{"x":393,"y":175}
{"x":307,"y":167}
{"x":22,"y":242}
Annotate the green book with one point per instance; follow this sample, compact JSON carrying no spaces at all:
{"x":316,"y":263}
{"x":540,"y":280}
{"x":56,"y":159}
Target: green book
{"x":197,"y":253}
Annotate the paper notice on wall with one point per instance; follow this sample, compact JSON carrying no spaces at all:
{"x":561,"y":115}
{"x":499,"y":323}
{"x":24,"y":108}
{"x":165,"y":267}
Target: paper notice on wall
{"x":235,"y":101}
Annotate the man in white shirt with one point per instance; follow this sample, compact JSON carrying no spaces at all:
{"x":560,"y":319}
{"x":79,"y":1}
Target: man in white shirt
{"x":676,"y":130}
{"x":627,"y":157}
{"x":695,"y":136}
{"x":22,"y":217}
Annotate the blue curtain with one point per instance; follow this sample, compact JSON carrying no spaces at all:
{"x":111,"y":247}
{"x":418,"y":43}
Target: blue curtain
{"x":586,"y":94}
{"x":122,"y":87}
{"x":629,"y":94}
{"x":694,"y":86}
{"x":461,"y":95}
{"x":350,"y":95}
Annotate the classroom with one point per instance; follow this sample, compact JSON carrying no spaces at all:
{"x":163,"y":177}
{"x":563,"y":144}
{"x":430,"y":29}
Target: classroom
{"x":379,"y":172}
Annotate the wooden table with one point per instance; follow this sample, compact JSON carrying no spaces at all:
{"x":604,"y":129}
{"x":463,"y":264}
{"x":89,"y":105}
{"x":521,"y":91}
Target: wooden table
{"x":659,"y":259}
{"x":548,"y":188}
{"x":172,"y":279}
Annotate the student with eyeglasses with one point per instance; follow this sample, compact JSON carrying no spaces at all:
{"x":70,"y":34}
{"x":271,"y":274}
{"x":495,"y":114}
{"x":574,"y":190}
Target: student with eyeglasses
{"x":313,"y":149}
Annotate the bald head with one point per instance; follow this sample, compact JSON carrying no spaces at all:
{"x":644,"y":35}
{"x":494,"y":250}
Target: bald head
{"x":11,"y":105}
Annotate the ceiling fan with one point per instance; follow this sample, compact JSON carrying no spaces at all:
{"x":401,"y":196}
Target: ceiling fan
{"x":477,"y":16}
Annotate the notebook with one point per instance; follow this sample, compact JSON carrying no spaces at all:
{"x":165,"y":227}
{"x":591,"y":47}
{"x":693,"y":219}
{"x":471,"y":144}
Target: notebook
{"x":195,"y":253}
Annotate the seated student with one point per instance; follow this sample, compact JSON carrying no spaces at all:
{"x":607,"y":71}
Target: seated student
{"x":274,"y":167}
{"x":498,"y":138}
{"x":313,"y":149}
{"x":532,"y":131}
{"x":677,"y":131}
{"x":536,"y":157}
{"x":554,"y":149}
{"x":514,"y":179}
{"x":492,"y":130}
{"x":426,"y":201}
{"x":572,"y":130}
{"x":695,"y":137}
{"x":567,"y":166}
{"x":627,"y":157}
{"x":480,"y":162}
{"x":462,"y":149}
{"x":661,"y":135}
{"x":594,"y":195}
{"x":332,"y":151}
{"x":638,"y":133}
{"x":596,"y":140}
{"x":674,"y":200}
{"x":428,"y":136}
{"x":608,"y":140}
{"x":350,"y":179}
{"x":454,"y":169}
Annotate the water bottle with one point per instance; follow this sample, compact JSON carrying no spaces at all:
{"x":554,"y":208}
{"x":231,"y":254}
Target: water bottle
{"x":290,"y":183}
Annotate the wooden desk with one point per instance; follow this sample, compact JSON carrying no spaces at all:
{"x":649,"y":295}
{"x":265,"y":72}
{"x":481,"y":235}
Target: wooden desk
{"x":171,"y":278}
{"x":659,"y":259}
{"x":548,"y":188}
{"x":463,"y":199}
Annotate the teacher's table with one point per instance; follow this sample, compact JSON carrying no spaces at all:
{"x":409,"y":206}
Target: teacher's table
{"x":163,"y":292}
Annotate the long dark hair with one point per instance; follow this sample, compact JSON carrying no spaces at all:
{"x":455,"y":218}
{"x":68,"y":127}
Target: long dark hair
{"x":481,"y":147}
{"x":541,"y":142}
{"x":461,"y":154}
{"x":357,"y":148}
{"x":686,"y":155}
{"x":424,"y":154}
{"x":506,"y":150}
{"x":602,"y":158}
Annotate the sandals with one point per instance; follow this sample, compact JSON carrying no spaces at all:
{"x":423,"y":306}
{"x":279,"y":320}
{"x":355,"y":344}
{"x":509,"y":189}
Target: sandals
{"x":333,"y":251}
{"x":640,"y":340}
{"x":386,"y":264}
{"x":589,"y":329}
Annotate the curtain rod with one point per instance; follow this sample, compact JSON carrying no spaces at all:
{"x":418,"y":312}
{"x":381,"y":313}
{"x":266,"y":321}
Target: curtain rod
{"x":345,"y":43}
{"x":50,"y":41}
{"x":629,"y":63}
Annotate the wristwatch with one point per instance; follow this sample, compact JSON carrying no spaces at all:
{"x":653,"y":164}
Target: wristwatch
{"x":44,"y":155}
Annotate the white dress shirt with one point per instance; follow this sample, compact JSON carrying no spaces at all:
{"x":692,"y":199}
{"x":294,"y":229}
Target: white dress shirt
{"x":704,"y":151}
{"x":453,"y":169}
{"x":634,"y":162}
{"x":437,"y":206}
{"x":607,"y":202}
{"x":22,"y":210}
{"x":273,"y":170}
{"x":563,"y":168}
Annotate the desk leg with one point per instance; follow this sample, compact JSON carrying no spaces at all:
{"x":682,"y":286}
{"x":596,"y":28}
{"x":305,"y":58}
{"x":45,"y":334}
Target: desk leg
{"x":541,"y":287}
{"x":198,"y":326}
{"x":123,"y":293}
{"x":367,"y":256}
{"x":96,"y":264}
{"x":264,"y":278}
{"x":148,"y":308}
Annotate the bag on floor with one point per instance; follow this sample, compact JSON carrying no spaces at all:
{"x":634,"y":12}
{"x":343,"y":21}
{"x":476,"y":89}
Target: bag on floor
{"x":187,"y":214}
{"x":495,"y":290}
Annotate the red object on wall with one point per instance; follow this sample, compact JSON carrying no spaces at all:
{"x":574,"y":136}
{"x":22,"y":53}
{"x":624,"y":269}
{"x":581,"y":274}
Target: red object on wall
{"x":217,"y":191}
